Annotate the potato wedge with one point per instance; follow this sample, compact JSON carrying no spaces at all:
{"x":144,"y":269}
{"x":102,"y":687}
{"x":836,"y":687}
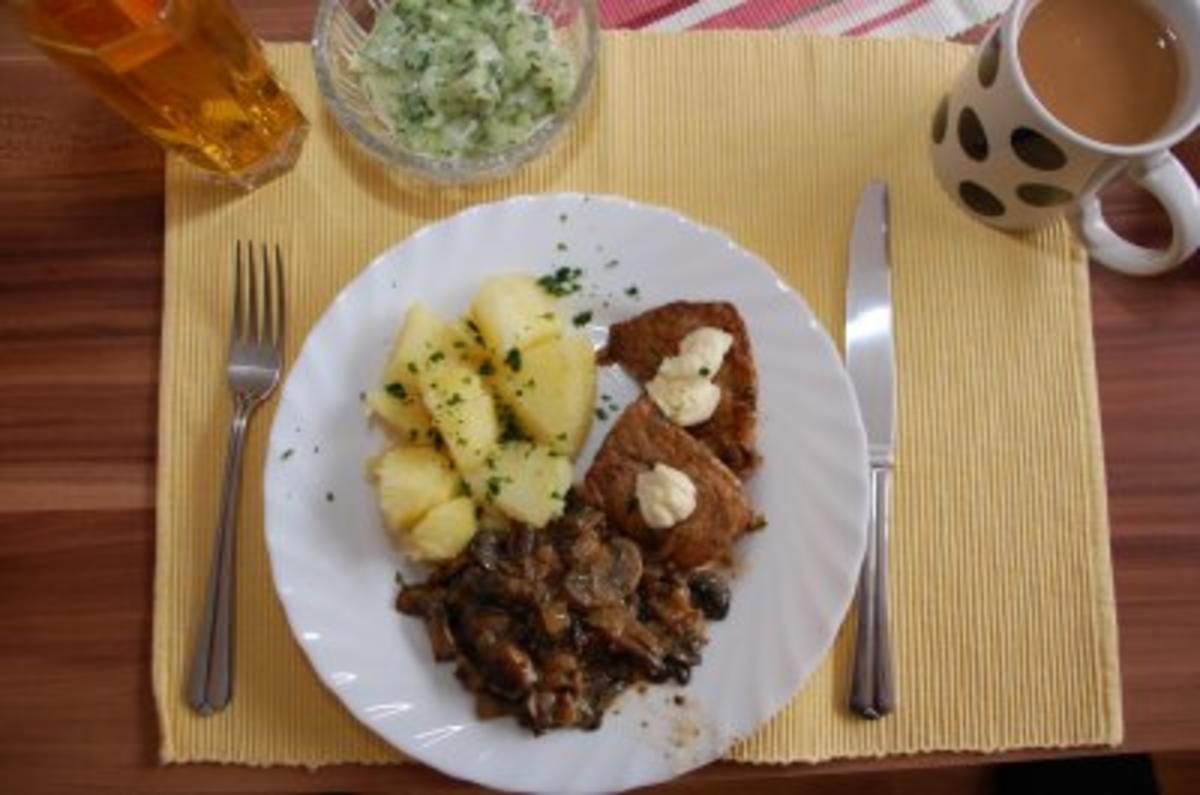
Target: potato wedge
{"x":466,"y":341}
{"x":463,"y":411}
{"x":406,"y":418}
{"x":514,"y":313}
{"x":444,"y":532}
{"x":423,"y":332}
{"x":410,"y":481}
{"x":553,"y":395}
{"x":526,"y":482}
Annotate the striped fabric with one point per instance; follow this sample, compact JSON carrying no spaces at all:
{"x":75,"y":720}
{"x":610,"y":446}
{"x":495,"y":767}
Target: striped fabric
{"x":937,"y":19}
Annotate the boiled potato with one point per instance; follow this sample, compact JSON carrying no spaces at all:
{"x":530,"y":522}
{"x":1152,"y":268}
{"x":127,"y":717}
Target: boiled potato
{"x":554,"y":393}
{"x":410,"y":481}
{"x":526,"y":482}
{"x":405,"y":417}
{"x":514,"y":313}
{"x":463,"y":411}
{"x":425,"y":340}
{"x":466,"y":341}
{"x":423,"y":332}
{"x":444,"y":532}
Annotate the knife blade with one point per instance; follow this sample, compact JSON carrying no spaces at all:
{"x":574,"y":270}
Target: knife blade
{"x":870,"y":360}
{"x":869,"y":350}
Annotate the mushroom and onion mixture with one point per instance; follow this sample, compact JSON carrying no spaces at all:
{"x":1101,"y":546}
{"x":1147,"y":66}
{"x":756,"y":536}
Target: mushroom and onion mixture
{"x":551,"y":625}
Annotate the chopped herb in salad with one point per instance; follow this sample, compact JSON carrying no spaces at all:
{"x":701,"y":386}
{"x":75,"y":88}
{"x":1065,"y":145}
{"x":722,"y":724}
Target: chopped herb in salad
{"x":454,"y":78}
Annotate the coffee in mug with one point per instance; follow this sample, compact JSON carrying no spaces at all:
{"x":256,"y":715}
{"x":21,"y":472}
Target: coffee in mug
{"x":1108,"y":69}
{"x":1062,"y":97}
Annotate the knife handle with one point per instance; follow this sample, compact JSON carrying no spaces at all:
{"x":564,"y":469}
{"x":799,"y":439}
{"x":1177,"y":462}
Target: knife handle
{"x":873,"y":690}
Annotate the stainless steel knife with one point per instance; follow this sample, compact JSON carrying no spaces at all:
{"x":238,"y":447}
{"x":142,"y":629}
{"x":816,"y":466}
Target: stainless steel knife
{"x":870,"y":361}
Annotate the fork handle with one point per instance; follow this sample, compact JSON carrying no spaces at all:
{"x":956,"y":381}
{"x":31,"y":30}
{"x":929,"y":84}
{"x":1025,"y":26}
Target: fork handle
{"x":872,"y":690}
{"x":210,"y":684}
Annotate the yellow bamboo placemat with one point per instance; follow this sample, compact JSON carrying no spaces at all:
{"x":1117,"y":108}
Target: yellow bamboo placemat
{"x":1004,"y":619}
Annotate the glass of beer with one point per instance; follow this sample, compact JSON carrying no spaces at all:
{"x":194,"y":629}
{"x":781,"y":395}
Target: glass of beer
{"x":187,"y":73}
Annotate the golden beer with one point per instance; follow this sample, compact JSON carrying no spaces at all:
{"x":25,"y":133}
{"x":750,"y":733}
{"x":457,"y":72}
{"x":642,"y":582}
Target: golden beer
{"x":187,"y":73}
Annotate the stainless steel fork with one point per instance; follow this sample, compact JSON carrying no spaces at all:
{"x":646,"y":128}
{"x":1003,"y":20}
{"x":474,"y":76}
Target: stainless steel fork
{"x":255,"y":360}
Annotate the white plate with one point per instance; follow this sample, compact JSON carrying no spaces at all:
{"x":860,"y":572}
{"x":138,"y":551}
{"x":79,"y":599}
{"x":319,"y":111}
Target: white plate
{"x":334,"y":569}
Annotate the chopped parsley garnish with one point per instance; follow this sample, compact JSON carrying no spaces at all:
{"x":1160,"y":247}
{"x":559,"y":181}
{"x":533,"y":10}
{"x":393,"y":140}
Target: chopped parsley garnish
{"x":493,"y":485}
{"x":487,"y":368}
{"x":563,"y":281}
{"x":454,"y":400}
{"x":705,"y":372}
{"x":561,"y":246}
{"x":612,"y":263}
{"x":412,"y":367}
{"x":583,"y":318}
{"x":601,"y":414}
{"x":288,"y":453}
{"x":759,"y":522}
{"x":400,"y":579}
{"x":329,"y":496}
{"x":362,"y":395}
{"x":562,"y":218}
{"x":632,"y":291}
{"x":397,"y":390}
{"x":464,"y":488}
{"x":436,"y":356}
{"x":513,"y":360}
{"x":510,"y":429}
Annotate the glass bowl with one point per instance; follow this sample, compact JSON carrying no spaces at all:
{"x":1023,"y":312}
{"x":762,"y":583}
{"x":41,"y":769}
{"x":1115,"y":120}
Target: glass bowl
{"x":341,"y":27}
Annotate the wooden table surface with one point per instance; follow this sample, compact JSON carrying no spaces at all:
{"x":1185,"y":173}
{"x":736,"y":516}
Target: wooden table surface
{"x":80,"y":297}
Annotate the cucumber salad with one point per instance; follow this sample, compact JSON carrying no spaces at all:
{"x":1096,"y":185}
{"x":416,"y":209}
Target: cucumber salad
{"x":463,"y":78}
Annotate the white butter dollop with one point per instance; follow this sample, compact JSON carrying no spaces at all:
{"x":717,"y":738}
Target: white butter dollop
{"x":665,"y":496}
{"x":685,"y":401}
{"x":683,"y":387}
{"x":709,"y":345}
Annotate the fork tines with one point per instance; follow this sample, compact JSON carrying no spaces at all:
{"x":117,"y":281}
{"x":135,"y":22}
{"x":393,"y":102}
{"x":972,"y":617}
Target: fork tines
{"x":258,"y":316}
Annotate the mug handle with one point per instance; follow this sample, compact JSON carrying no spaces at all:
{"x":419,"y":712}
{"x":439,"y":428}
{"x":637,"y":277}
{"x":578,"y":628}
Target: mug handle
{"x":1164,"y":176}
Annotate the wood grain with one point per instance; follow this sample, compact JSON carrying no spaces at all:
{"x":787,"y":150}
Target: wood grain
{"x":80,"y":284}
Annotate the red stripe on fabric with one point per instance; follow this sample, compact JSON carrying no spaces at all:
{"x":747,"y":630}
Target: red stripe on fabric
{"x":758,"y":14}
{"x":891,"y":16}
{"x":665,"y":10}
{"x":636,"y":13}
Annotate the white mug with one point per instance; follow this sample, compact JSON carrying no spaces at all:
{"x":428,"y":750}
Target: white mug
{"x":1011,"y":163}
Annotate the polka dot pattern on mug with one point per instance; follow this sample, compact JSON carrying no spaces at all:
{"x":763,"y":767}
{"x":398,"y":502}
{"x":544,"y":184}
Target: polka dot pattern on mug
{"x":1039,"y":195}
{"x":1000,"y":169}
{"x":1036,"y":150}
{"x":971,"y":135}
{"x":989,"y":62}
{"x":980,"y":199}
{"x":941,"y":120}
